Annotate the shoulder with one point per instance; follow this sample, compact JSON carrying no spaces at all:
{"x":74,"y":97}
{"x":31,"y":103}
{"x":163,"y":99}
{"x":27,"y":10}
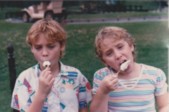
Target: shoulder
{"x":152,"y":70}
{"x":149,"y":67}
{"x":67,"y":68}
{"x":27,"y":73}
{"x":102,"y":72}
{"x":71,"y":71}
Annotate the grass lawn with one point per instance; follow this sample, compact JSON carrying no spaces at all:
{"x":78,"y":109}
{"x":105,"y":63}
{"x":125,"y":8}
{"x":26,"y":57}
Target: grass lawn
{"x":151,"y":39}
{"x":117,"y":15}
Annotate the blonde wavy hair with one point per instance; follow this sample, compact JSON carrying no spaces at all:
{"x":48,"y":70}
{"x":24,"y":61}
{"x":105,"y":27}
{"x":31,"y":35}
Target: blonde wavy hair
{"x":116,"y":33}
{"x":50,"y":28}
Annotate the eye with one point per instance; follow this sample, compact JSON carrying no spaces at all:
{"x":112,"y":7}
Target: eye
{"x":38,"y":47}
{"x":51,"y":46}
{"x":109,"y":53}
{"x":120,"y":46}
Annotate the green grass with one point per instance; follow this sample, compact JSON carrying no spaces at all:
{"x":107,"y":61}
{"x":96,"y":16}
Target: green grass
{"x":150,"y":38}
{"x":117,"y":15}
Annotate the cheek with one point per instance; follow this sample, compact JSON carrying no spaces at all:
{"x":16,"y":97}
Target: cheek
{"x":129,"y":51}
{"x":55,"y":54}
{"x":131,"y":48}
{"x":35,"y":54}
{"x":108,"y":60}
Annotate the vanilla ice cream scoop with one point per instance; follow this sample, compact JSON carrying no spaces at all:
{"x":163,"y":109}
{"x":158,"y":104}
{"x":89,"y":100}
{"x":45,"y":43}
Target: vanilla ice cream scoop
{"x":124,"y":65}
{"x":46,"y":64}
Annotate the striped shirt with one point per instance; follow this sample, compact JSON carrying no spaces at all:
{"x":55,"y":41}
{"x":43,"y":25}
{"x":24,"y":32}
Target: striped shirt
{"x":71,"y":90}
{"x":137,"y":94}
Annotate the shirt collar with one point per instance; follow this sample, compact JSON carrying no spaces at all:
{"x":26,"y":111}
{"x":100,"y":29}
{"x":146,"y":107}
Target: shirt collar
{"x":63,"y":69}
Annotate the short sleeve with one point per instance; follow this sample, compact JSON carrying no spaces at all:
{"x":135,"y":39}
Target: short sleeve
{"x":85,"y":95}
{"x":96,"y":82}
{"x":98,"y":77}
{"x":161,"y":85}
{"x":19,"y":96}
{"x":22,"y":94}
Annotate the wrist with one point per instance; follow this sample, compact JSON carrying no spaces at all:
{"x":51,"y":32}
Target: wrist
{"x":103,"y":90}
{"x":40,"y":96}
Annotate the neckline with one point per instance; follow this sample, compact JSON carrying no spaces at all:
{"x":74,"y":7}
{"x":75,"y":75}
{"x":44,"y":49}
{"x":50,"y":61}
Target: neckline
{"x":136,"y":80}
{"x":38,"y":69}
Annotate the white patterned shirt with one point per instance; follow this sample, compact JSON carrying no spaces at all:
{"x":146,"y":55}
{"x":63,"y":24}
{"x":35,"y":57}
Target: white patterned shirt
{"x":71,"y":90}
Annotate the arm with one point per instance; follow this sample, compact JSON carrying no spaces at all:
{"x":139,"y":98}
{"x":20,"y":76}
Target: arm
{"x":100,"y":99}
{"x":37,"y":103}
{"x":46,"y":81}
{"x":162,"y":102}
{"x":99,"y":102}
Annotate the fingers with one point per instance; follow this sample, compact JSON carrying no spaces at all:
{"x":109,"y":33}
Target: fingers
{"x":46,"y":81}
{"x":45,"y":72}
{"x":110,"y":83}
{"x":112,"y":78}
{"x":47,"y":68}
{"x":46,"y":77}
{"x":113,"y":82}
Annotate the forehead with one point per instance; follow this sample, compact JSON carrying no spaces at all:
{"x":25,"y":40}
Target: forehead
{"x":40,"y":41}
{"x":109,"y":41}
{"x":42,"y":38}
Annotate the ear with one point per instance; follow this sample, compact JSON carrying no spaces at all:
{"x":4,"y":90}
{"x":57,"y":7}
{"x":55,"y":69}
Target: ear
{"x":32,"y":49}
{"x":102,"y":60}
{"x":132,"y":48}
{"x":62,"y":47}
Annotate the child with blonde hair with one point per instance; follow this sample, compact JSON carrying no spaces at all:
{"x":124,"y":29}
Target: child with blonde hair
{"x":135,"y":88}
{"x":50,"y":86}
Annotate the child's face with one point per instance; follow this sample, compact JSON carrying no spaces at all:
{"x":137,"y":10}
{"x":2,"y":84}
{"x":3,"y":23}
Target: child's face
{"x":115,"y":52}
{"x":45,"y":51}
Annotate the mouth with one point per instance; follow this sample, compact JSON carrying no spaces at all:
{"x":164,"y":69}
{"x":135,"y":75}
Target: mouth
{"x":46,"y":64}
{"x":122,"y":62}
{"x":124,"y":65}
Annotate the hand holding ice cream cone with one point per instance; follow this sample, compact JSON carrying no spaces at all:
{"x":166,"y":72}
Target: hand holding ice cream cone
{"x":46,"y":64}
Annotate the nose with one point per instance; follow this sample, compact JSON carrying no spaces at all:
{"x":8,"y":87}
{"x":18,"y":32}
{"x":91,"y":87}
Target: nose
{"x":45,"y":52}
{"x":117,"y":54}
